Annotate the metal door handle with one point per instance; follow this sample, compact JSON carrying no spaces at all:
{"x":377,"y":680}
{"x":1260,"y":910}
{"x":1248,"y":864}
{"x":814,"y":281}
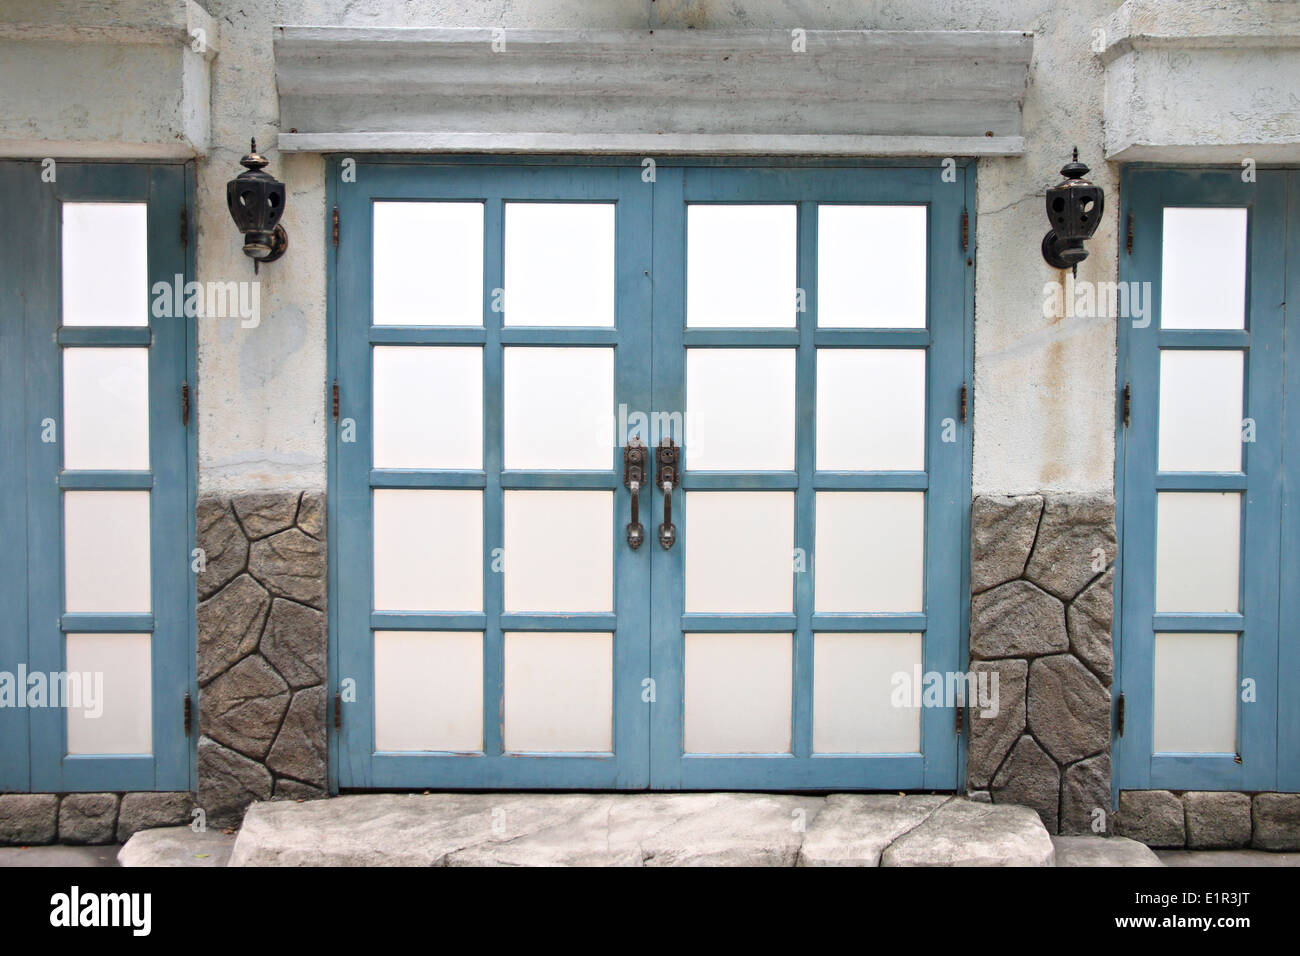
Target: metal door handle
{"x":668,"y":457}
{"x":633,"y":477}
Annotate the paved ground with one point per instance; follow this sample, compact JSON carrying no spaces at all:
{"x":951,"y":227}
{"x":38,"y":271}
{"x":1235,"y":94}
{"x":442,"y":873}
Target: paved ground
{"x":719,"y":829}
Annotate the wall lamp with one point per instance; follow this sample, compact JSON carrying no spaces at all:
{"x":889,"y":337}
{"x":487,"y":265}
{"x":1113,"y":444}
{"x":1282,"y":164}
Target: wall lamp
{"x":1074,"y":208}
{"x":255,"y":199}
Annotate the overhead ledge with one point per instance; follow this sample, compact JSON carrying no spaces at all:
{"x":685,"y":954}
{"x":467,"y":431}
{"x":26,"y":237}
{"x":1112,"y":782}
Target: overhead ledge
{"x":129,"y":79}
{"x":1201,"y":81}
{"x":850,"y":92}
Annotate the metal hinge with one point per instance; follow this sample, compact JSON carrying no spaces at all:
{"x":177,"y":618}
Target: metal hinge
{"x":185,"y":227}
{"x":965,"y":230}
{"x":1119,"y":716}
{"x":960,"y":719}
{"x":1128,"y":238}
{"x":1128,"y":404}
{"x":1236,"y":758}
{"x":335,"y":400}
{"x":964,"y":402}
{"x":338,"y":711}
{"x":185,"y":403}
{"x":189,"y":715}
{"x":336,"y":226}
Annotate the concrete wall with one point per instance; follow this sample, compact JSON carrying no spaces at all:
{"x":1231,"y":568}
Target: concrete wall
{"x":1044,"y":387}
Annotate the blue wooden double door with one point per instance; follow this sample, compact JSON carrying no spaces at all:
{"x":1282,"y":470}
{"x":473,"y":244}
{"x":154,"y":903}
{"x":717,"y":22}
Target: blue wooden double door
{"x":648,"y":476}
{"x":1209,"y":469}
{"x":96,"y":506}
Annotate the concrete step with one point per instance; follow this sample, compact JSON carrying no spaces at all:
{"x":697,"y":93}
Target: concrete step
{"x":177,"y":846}
{"x":659,"y":829}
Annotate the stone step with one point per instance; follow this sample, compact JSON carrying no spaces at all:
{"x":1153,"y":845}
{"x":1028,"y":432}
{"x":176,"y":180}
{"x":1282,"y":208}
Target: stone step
{"x":1103,"y":851}
{"x":177,"y":846}
{"x":647,"y":829}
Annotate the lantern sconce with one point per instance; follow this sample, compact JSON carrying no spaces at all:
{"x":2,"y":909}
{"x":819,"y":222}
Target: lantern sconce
{"x":1074,"y":208}
{"x":255,"y":199}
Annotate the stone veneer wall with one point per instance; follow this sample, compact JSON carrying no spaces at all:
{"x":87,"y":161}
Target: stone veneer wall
{"x":1042,"y":569}
{"x":33,"y":819}
{"x":1210,"y":820}
{"x":262,"y":654}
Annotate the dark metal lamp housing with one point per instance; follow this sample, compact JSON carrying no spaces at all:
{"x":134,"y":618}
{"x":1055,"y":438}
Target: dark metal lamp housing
{"x":1074,"y":209}
{"x":255,"y":199}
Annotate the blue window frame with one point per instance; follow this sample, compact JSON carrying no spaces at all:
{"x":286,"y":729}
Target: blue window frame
{"x":1265,"y":720}
{"x":35,"y":344}
{"x":649,"y":339}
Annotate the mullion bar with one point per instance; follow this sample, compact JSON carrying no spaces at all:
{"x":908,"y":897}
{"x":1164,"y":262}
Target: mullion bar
{"x":493,"y":496}
{"x":740,"y":481}
{"x":426,"y":478}
{"x":741,"y":338}
{"x":426,"y":335}
{"x":125,"y":336}
{"x":1193,"y":623}
{"x":106,"y":480}
{"x":426,"y":621}
{"x":871,"y":480}
{"x":872,"y":338}
{"x":805,"y":498}
{"x":559,"y":480}
{"x":890,"y":623}
{"x":1227,"y":339}
{"x":723,"y":623}
{"x":594,"y":622}
{"x":1201,"y":481}
{"x":106,"y":623}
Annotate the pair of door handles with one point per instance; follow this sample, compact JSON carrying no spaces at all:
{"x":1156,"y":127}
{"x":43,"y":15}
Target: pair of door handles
{"x":668,"y":477}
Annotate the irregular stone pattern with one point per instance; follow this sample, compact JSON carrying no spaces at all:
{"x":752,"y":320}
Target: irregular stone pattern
{"x":1042,"y":580}
{"x":1216,"y":821}
{"x":88,"y":819}
{"x":262,"y":649}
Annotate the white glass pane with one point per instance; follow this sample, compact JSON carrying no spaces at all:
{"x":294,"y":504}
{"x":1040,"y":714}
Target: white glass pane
{"x":740,"y":266}
{"x":1196,"y":693}
{"x":106,"y":551}
{"x":739,"y":551}
{"x":870,"y":551}
{"x":559,"y":408}
{"x":559,"y":693}
{"x":738,"y":693}
{"x":428,"y":550}
{"x":871,"y":267}
{"x":1203,"y":269}
{"x":1198,"y":538}
{"x":559,"y":551}
{"x":871,"y":409}
{"x":428,"y":407}
{"x":428,"y":263}
{"x":106,"y":408}
{"x":1200,"y":410}
{"x":112,"y":675}
{"x":740,"y":407}
{"x":854,"y":693}
{"x":105,"y":263}
{"x":559,"y":264}
{"x":428,"y":690}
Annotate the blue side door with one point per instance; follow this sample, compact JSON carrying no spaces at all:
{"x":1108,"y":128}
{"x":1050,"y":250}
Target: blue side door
{"x":97,"y":591}
{"x":1207,"y":467}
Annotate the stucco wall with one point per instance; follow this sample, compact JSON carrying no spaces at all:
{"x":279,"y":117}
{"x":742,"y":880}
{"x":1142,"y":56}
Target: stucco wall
{"x":1044,"y":388}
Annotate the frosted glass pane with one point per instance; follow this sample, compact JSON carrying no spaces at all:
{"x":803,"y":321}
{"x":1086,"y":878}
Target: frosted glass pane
{"x":871,"y":409}
{"x":1196,"y":693}
{"x":559,"y":551}
{"x":1200,"y":410}
{"x":428,"y":407}
{"x":428,"y":550}
{"x":739,"y":551}
{"x":116,"y":716}
{"x":853,"y":693}
{"x":740,"y":266}
{"x":559,"y":264}
{"x":870,"y":551}
{"x":428,"y":263}
{"x":106,"y":551}
{"x":1203,"y":269}
{"x":559,"y":408}
{"x":1198,"y":549}
{"x":428,"y":690}
{"x":740,"y":406}
{"x":871,"y":266}
{"x":559,"y":693}
{"x":106,"y":408}
{"x":105,"y":263}
{"x":738,"y":693}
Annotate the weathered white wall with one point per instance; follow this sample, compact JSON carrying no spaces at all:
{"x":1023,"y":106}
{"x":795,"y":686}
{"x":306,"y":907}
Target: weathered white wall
{"x":1044,"y":387}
